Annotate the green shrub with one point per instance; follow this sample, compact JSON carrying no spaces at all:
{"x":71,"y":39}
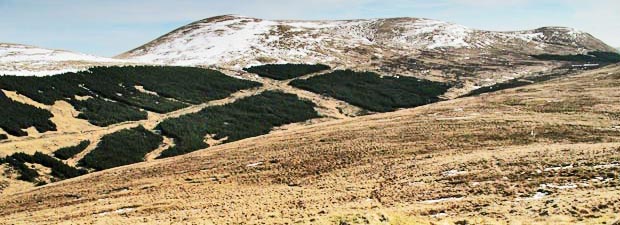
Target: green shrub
{"x":68,"y":152}
{"x":121,"y":148}
{"x":104,"y":113}
{"x":25,"y":172}
{"x":248,"y":117}
{"x":286,"y":71}
{"x":15,"y":116}
{"x":372,"y":91}
{"x":60,"y":170}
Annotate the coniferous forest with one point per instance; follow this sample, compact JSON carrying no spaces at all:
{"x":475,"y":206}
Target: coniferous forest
{"x":248,"y":117}
{"x":591,"y":57}
{"x":15,"y":116}
{"x":68,"y":152}
{"x":372,"y":91}
{"x":59,"y":170}
{"x":114,"y":93}
{"x":121,"y":148}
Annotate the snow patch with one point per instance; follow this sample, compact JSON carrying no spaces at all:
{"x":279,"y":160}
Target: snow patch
{"x":24,"y":60}
{"x":118,"y":211}
{"x":20,"y":53}
{"x":38,"y":73}
{"x":439,"y":215}
{"x":435,"y":34}
{"x":607,"y":166}
{"x":254,"y":164}
{"x":565,"y":186}
{"x":451,"y":173}
{"x":538,"y":195}
{"x":558,"y":168}
{"x":450,"y":199}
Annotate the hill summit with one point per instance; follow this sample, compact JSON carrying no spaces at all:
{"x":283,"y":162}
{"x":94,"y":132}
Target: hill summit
{"x":239,"y":41}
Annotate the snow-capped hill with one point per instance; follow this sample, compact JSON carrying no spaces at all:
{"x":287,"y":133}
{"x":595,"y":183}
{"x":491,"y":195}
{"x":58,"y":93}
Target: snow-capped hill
{"x":564,"y":36}
{"x":17,"y":59}
{"x":237,"y":41}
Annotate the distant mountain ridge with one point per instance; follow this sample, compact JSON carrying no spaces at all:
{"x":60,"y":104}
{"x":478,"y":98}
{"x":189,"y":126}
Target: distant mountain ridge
{"x":238,"y":41}
{"x":19,"y":59}
{"x":388,"y":45}
{"x":424,"y":48}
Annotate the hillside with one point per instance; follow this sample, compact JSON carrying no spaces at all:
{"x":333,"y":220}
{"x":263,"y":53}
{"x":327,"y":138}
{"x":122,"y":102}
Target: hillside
{"x":69,"y":116}
{"x":25,"y":60}
{"x":381,"y":120}
{"x":239,"y":41}
{"x":525,"y":155}
{"x":63,"y":121}
{"x":423,"y":48}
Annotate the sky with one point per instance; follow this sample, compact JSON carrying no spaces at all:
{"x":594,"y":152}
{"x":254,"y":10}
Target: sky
{"x":111,"y":27}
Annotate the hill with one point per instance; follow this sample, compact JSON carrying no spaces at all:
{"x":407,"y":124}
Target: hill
{"x":424,"y":48}
{"x":523,"y":155}
{"x":25,"y":60}
{"x":326,"y":138}
{"x":239,"y":41}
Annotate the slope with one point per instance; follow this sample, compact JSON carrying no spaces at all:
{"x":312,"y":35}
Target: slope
{"x":527,"y":155}
{"x":25,"y":60}
{"x":424,"y":48}
{"x":227,"y":39}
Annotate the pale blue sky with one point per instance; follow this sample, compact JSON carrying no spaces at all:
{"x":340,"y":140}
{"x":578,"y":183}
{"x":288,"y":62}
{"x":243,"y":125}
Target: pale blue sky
{"x":110,"y":27}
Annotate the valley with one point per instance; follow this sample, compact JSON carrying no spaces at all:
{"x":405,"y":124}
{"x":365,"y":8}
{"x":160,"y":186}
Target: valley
{"x":173,"y":125}
{"x":241,"y":120}
{"x":527,"y":154}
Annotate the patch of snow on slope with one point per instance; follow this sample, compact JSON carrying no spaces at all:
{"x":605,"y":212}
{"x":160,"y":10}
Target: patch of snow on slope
{"x":38,"y":73}
{"x":225,"y":40}
{"x":525,"y":36}
{"x":441,"y":34}
{"x":24,"y":60}
{"x":310,"y":24}
{"x":433,"y":201}
{"x":451,"y":173}
{"x":538,"y":195}
{"x":574,"y":33}
{"x":235,"y":41}
{"x":20,"y":53}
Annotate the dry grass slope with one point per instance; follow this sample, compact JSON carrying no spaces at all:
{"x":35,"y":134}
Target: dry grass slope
{"x":542,"y":154}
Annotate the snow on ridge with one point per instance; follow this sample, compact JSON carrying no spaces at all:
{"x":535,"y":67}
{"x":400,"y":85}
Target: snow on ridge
{"x":210,"y":43}
{"x":233,"y":38}
{"x":25,"y":60}
{"x":310,"y":24}
{"x":442,"y":34}
{"x":20,"y":53}
{"x":38,"y":73}
{"x":526,"y":36}
{"x":237,"y":41}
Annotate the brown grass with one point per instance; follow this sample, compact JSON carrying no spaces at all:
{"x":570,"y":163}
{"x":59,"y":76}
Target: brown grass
{"x":482,"y":160}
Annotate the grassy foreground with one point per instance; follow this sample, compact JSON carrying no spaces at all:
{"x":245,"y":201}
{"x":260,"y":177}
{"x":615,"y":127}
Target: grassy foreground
{"x":520,"y":156}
